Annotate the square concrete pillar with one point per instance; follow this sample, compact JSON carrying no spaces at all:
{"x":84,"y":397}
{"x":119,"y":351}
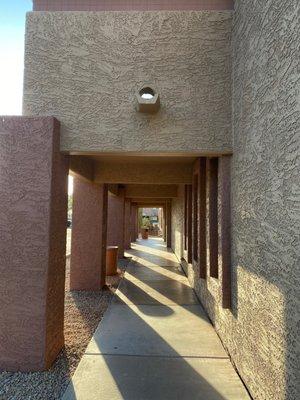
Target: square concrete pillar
{"x":168,"y":223}
{"x":115,"y":221}
{"x":134,"y":222}
{"x":33,"y":220}
{"x":164,"y":223}
{"x":127,"y":224}
{"x":89,"y":236}
{"x":225,"y":228}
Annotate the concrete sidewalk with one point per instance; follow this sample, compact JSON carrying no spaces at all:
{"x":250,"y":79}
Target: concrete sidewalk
{"x":155,"y":341}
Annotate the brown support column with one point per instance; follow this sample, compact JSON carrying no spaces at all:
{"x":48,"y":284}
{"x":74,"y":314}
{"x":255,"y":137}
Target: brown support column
{"x":195,"y":215}
{"x":199,"y":217}
{"x":212,"y":180}
{"x":185,"y":222}
{"x":202,"y":218}
{"x":164,"y":213}
{"x":169,"y":223}
{"x":134,"y":234}
{"x":33,"y":217}
{"x":137,"y":222}
{"x":115,"y":230}
{"x":89,"y":236}
{"x":225,"y":199}
{"x":127,"y":224}
{"x":189,"y":223}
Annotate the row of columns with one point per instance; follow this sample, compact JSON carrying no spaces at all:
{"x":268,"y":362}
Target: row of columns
{"x":207,"y":230}
{"x":33,"y":220}
{"x":101,"y":219}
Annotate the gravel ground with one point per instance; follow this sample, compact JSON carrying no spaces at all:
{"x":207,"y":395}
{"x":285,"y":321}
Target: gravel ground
{"x":83,"y":312}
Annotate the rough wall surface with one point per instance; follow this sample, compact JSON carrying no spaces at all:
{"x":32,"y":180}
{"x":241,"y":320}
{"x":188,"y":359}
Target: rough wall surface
{"x":88,"y":240}
{"x":261,"y":331}
{"x":33,"y":219}
{"x":84,"y":68}
{"x":115,"y":221}
{"x":118,"y":5}
{"x":178,"y":222}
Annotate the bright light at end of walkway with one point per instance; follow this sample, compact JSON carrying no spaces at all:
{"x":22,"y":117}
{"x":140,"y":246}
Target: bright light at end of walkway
{"x":70,"y":185}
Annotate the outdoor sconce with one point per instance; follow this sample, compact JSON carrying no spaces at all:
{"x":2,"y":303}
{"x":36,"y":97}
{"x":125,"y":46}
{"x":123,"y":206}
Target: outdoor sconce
{"x":148,"y":100}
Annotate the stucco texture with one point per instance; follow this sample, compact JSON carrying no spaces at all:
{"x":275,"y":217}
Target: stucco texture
{"x":261,"y":332}
{"x":88,"y":239}
{"x":129,"y":5}
{"x":33,"y":220}
{"x":84,"y":68}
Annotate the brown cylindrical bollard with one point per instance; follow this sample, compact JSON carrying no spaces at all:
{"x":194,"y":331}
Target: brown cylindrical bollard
{"x":111,"y":260}
{"x":145,"y":233}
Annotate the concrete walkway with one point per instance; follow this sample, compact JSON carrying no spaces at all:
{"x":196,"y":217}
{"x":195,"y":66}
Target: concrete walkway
{"x":155,"y":342}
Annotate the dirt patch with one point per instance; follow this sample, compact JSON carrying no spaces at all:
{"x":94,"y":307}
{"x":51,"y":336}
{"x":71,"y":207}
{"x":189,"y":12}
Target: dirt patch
{"x":83,"y":312}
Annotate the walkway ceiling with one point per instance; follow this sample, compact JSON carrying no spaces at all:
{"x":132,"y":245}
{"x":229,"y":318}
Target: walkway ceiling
{"x":172,"y":169}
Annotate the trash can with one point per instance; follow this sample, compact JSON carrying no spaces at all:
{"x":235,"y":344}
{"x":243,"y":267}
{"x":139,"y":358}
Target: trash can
{"x":112,"y":260}
{"x":145,"y":233}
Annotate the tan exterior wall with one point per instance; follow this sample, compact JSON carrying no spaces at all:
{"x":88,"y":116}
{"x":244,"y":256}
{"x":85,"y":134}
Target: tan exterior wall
{"x":260,"y":331}
{"x":85,"y":68}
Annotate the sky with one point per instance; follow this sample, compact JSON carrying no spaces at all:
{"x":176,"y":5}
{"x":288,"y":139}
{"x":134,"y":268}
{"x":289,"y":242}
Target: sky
{"x":12,"y":31}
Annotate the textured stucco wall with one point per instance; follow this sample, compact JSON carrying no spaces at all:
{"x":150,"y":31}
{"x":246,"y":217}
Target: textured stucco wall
{"x":84,"y":68}
{"x":261,"y":331}
{"x":142,"y":5}
{"x":89,"y":237}
{"x":177,"y":225}
{"x":33,"y":219}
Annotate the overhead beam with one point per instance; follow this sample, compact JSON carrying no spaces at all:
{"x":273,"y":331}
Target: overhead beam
{"x":150,"y":205}
{"x":82,"y":167}
{"x":134,"y":173}
{"x":114,"y":189}
{"x":153,"y":191}
{"x":148,"y":200}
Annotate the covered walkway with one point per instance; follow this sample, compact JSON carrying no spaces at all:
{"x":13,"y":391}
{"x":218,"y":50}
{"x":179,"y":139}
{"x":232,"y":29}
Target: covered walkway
{"x":155,"y":341}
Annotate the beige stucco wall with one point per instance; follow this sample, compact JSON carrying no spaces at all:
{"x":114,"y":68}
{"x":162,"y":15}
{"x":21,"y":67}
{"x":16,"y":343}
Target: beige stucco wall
{"x":261,"y":331}
{"x":84,"y":68}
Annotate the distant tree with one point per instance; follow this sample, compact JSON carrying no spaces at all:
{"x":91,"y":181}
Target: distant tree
{"x":70,"y":204}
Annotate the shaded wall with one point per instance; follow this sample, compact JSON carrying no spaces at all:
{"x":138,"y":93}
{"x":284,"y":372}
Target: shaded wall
{"x":260,"y":332}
